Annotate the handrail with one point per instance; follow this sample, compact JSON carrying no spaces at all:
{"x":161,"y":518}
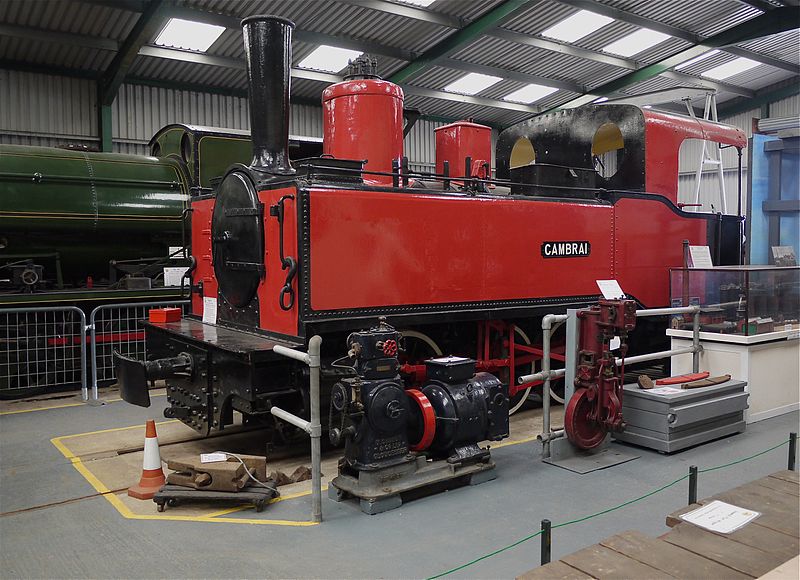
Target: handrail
{"x":313,"y":427}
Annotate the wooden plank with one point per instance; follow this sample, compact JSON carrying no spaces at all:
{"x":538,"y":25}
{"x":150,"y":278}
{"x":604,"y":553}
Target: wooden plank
{"x":601,"y":563}
{"x":668,"y":558}
{"x":786,"y":571}
{"x":786,"y":475}
{"x":746,"y":559}
{"x":557,"y":570}
{"x":778,"y":512}
{"x":779,"y":485}
{"x":753,"y":534}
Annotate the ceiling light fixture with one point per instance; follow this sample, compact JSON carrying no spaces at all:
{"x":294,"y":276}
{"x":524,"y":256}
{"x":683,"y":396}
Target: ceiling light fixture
{"x":189,"y":35}
{"x":636,"y":42}
{"x":328,"y":58}
{"x":423,"y":3}
{"x":529,"y":94}
{"x":730,"y":69}
{"x":472,"y":83}
{"x":575,"y":27}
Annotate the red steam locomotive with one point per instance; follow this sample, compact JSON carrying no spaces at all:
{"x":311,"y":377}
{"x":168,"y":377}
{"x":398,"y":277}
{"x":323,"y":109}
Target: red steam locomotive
{"x":461,"y":262}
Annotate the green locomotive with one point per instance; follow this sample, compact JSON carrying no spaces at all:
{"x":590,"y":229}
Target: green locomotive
{"x":80,"y":228}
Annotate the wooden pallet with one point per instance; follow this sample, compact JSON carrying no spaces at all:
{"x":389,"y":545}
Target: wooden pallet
{"x":688,"y":551}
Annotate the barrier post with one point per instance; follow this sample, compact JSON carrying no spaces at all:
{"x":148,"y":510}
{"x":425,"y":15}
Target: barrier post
{"x":547,"y":542}
{"x":692,"y":484}
{"x":792,"y":451}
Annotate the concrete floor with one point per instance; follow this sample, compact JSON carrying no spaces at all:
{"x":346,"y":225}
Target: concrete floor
{"x":89,"y":538}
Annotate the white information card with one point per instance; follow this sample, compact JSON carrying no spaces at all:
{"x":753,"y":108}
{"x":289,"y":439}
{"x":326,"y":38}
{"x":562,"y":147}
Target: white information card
{"x":173,"y":275}
{"x":209,"y":310}
{"x":700,"y":257}
{"x":610,"y":289}
{"x":720,"y":517}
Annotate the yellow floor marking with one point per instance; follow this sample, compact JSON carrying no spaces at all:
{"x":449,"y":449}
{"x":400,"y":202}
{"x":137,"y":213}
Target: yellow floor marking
{"x":273,"y":500}
{"x":65,"y":405}
{"x":42,"y":409}
{"x":111,"y":430}
{"x":125,"y":511}
{"x":214,"y":517}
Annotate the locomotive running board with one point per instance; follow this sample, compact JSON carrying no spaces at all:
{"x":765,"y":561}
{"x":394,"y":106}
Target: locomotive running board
{"x":565,"y":455}
{"x":383,"y":489}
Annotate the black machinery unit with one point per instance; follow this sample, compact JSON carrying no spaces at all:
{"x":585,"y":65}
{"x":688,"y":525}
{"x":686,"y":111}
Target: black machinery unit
{"x":399,"y":439}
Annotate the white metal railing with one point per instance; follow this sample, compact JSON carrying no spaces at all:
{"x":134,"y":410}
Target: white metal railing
{"x":313,"y":427}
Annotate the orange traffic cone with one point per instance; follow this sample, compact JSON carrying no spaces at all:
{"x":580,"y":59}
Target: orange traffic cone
{"x":152,"y":474}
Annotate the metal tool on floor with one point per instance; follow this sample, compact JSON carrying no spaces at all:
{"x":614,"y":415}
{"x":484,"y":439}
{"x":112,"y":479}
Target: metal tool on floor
{"x":174,"y":495}
{"x":217,"y":477}
{"x":218,"y":471}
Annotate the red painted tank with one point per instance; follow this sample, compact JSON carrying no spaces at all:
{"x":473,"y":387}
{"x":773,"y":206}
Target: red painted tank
{"x":457,"y":141}
{"x":363,"y":119}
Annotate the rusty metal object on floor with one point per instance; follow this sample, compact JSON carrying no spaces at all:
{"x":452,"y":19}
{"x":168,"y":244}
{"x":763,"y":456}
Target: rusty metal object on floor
{"x":280,"y":478}
{"x":302,"y":473}
{"x":230,"y":475}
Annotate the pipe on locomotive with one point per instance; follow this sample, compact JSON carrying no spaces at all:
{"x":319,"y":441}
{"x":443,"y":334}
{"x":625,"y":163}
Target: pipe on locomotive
{"x":268,"y":53}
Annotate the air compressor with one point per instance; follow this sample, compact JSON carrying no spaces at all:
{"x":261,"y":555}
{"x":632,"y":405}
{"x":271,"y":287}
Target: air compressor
{"x":398,"y":439}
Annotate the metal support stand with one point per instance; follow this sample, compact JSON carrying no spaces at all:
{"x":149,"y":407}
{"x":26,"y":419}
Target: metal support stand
{"x":313,"y":427}
{"x":692,"y":484}
{"x":792,"y":451}
{"x":565,"y":455}
{"x":547,"y":542}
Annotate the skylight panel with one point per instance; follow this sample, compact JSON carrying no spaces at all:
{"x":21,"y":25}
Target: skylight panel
{"x":189,"y":35}
{"x":577,"y":26}
{"x":328,"y":58}
{"x":529,"y":94}
{"x":472,"y":83}
{"x":636,"y":42}
{"x":730,"y":69}
{"x":697,"y":59}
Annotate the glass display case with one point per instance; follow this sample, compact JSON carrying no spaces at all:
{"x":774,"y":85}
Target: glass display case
{"x":743,"y":300}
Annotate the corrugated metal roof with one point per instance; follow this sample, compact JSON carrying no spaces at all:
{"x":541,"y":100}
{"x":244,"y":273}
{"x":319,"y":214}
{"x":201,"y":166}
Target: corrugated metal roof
{"x":360,"y":22}
{"x":74,"y":17}
{"x":705,"y":18}
{"x":785,"y":46}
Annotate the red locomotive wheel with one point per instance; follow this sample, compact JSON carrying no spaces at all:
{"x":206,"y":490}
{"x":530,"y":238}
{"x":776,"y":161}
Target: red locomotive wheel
{"x":584,"y":433}
{"x":428,"y":420}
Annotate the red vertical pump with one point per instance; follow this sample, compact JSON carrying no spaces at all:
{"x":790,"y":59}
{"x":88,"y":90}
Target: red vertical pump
{"x":596,"y":407}
{"x":362,"y":119}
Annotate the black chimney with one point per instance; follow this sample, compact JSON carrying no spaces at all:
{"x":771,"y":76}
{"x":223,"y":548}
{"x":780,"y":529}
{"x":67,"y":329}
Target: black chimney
{"x":268,"y":51}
